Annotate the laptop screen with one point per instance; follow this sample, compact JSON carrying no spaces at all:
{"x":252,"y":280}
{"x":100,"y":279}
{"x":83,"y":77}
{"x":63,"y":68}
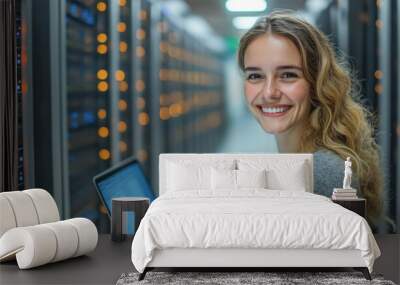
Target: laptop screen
{"x":127,"y":180}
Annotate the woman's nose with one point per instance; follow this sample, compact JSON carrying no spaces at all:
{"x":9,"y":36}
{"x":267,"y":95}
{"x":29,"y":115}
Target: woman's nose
{"x":270,"y":89}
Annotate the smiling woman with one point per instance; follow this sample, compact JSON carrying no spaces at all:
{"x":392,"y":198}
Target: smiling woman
{"x":276,"y":91}
{"x":298,"y":90}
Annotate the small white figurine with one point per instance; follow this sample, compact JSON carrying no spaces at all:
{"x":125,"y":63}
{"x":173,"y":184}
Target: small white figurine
{"x":347,"y":174}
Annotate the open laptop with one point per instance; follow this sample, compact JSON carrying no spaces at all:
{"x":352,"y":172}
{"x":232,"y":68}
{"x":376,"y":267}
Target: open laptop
{"x":123,"y":180}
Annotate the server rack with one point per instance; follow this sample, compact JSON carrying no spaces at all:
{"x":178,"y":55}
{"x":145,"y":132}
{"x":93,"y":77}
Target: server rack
{"x":388,"y":107}
{"x":123,"y":76}
{"x":191,"y":105}
{"x":27,"y":94}
{"x":19,"y":64}
{"x":114,"y":79}
{"x":140,"y":66}
{"x":367,"y":31}
{"x":88,"y":107}
{"x":24,"y":95}
{"x":171,"y":94}
{"x":44,"y":117}
{"x":397,"y":145}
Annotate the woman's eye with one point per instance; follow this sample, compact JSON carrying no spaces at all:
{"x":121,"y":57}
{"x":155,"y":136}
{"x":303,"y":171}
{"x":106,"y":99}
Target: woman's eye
{"x":254,"y":76}
{"x":288,"y":75}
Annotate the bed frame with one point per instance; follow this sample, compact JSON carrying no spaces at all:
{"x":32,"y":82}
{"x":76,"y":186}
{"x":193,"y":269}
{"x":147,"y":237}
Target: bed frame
{"x":244,"y":259}
{"x":240,"y":259}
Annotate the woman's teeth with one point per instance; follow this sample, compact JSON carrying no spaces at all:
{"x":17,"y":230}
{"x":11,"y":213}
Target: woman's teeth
{"x":275,"y":110}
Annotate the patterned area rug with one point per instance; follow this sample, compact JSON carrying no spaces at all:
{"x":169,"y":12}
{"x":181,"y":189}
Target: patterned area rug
{"x":229,"y":278}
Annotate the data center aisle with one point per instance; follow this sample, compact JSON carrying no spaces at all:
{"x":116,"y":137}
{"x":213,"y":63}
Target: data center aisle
{"x":245,"y":135}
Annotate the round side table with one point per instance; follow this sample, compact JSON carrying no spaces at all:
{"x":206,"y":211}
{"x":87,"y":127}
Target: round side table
{"x":138,"y":205}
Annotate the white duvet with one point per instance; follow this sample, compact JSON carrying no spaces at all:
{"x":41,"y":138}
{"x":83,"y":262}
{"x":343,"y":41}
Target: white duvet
{"x":251,"y":218}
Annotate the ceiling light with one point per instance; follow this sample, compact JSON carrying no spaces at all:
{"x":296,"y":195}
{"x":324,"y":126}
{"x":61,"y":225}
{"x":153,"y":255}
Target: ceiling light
{"x":244,"y":23}
{"x":246,"y":6}
{"x":316,"y":6}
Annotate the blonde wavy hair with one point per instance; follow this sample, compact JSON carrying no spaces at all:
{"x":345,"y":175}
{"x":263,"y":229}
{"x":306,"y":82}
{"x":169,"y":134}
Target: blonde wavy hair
{"x":337,"y":121}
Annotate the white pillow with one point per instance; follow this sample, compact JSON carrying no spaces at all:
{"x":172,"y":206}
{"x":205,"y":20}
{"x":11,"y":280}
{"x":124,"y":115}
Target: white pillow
{"x":193,"y":175}
{"x":223,"y":179}
{"x":251,"y":178}
{"x":294,"y":179}
{"x":189,"y":177}
{"x":236,"y":179}
{"x":281,"y":174}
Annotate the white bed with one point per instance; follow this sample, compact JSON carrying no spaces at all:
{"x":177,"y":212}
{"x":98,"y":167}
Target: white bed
{"x":198,"y":223}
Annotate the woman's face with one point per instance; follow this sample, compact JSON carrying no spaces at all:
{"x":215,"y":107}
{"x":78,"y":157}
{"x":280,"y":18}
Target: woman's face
{"x":276,"y":91}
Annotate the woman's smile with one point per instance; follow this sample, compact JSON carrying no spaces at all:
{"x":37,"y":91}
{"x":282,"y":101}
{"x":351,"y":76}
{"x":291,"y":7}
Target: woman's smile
{"x":274,"y":111}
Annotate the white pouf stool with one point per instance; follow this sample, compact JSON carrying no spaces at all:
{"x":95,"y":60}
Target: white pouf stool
{"x":31,"y":230}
